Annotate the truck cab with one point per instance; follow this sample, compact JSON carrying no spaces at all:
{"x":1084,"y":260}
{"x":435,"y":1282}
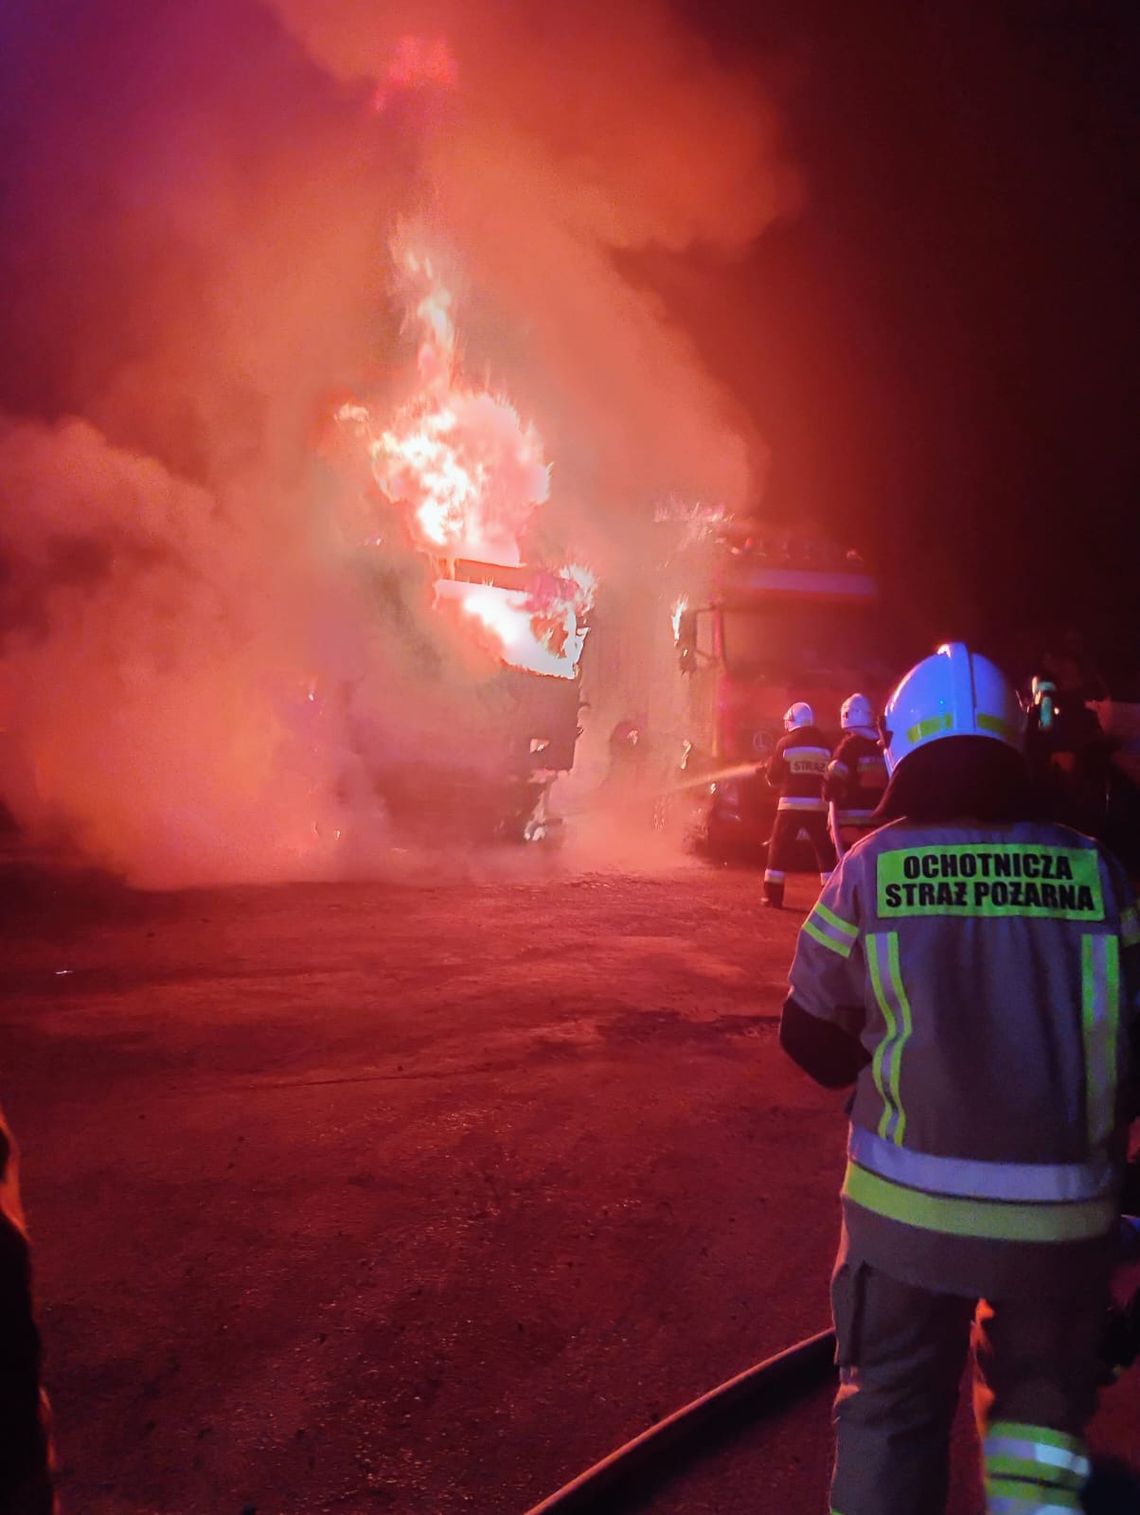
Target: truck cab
{"x":769,"y":634}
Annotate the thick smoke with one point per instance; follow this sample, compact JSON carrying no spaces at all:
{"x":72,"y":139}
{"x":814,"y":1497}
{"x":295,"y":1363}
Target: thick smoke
{"x":197,"y":681}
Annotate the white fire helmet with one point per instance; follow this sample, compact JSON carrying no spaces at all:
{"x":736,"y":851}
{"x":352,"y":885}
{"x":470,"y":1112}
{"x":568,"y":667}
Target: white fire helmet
{"x":856,"y":714}
{"x":954,"y":692}
{"x":797,"y":715}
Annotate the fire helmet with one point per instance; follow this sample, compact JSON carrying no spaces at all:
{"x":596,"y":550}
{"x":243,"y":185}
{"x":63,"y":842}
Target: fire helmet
{"x":797,"y":715}
{"x":954,"y":692}
{"x":856,"y":714}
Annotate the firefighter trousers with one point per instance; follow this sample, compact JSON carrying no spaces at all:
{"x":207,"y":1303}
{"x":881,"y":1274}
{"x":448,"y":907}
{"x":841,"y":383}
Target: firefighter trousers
{"x":782,"y":846}
{"x":901,"y":1353}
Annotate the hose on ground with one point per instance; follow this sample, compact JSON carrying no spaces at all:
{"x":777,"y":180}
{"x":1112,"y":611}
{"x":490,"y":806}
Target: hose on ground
{"x":796,"y":1368}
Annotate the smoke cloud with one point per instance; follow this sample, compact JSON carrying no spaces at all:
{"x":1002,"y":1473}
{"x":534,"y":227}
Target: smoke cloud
{"x":199,"y":677}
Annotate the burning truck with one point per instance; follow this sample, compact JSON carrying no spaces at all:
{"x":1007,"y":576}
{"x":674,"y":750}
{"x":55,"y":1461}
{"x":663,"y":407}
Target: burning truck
{"x":456,"y":478}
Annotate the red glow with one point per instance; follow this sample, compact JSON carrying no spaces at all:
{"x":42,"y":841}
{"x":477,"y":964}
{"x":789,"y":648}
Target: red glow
{"x":417,"y":62}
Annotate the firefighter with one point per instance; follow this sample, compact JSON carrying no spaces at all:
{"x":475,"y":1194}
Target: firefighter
{"x":856,"y":775}
{"x":1069,"y":758}
{"x":796,"y":769}
{"x":974,"y":973}
{"x":25,"y":1455}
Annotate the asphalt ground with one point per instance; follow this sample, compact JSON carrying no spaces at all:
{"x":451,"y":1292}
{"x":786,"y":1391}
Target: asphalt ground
{"x":419,"y":1195}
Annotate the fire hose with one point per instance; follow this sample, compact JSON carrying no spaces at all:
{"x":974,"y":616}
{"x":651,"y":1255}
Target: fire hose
{"x":793,"y":1370}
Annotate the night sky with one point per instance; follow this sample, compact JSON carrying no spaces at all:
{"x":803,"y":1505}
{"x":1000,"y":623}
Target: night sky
{"x":945,"y":338}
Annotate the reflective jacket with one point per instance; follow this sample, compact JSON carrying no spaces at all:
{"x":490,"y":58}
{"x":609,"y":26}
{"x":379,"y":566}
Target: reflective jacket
{"x":856,"y":778}
{"x":796,"y":769}
{"x":990,"y":974}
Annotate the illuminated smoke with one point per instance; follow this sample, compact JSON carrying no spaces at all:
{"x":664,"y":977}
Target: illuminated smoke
{"x":202,"y":668}
{"x":575,"y":134}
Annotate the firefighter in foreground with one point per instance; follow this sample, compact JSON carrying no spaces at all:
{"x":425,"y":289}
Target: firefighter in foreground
{"x":973,"y":972}
{"x":25,"y":1478}
{"x":856,"y":775}
{"x":797,"y":770}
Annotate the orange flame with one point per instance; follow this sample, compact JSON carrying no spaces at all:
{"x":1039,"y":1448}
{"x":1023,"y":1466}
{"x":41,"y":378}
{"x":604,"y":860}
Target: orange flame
{"x":470,"y":475}
{"x":679,"y":608}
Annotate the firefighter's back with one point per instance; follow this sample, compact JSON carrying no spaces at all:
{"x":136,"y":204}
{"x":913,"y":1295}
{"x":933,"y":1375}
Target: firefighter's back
{"x":1001,"y":940}
{"x":974,"y":971}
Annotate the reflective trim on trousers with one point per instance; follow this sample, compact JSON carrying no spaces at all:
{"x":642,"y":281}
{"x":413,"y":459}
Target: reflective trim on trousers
{"x":853,"y":817}
{"x":983,"y":1219}
{"x":801,"y":802}
{"x":891,"y":997}
{"x":1005,"y":1499}
{"x":962,"y":1178}
{"x":1100,"y":1024}
{"x":774,"y":875}
{"x":1033,"y":1468}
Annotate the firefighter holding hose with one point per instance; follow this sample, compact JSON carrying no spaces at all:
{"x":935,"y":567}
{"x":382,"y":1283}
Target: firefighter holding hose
{"x":975,"y":973}
{"x":797,"y":769}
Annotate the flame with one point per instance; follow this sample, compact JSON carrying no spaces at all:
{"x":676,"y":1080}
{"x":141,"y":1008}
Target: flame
{"x":470,"y":474}
{"x":542,"y":629}
{"x":507,"y":614}
{"x":678,"y":611}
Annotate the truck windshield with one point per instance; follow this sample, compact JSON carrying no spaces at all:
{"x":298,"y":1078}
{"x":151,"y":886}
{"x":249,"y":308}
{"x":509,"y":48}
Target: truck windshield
{"x":809,"y":641}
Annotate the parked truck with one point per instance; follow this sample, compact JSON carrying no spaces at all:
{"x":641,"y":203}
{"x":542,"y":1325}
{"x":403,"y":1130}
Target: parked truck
{"x":767,"y":628}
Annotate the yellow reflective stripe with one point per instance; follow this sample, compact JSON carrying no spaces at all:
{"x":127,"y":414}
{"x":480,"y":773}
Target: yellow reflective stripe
{"x":968,"y":1178}
{"x":835,"y":921}
{"x":1047,"y":1460}
{"x":886,"y":1119}
{"x":1036,"y":1472}
{"x":984,"y":1219}
{"x":823,"y":926}
{"x":812,"y":930}
{"x":1021,"y":1430}
{"x":930,"y":726}
{"x":1130,"y":926}
{"x":1009,"y":1496}
{"x":903,"y":1004}
{"x":1100,"y":1025}
{"x":995,"y":724}
{"x":891,"y":997}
